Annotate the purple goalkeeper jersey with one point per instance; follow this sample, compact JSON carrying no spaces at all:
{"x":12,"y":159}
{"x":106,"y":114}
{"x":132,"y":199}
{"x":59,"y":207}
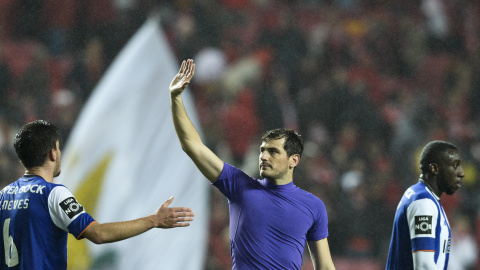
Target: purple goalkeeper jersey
{"x":270,"y":224}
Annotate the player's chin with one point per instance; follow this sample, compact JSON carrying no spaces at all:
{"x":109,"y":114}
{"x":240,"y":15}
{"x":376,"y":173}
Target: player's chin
{"x":263,"y":173}
{"x":451,"y":191}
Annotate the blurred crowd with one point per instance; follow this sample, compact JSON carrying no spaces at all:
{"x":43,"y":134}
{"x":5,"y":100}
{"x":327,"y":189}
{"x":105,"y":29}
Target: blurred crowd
{"x":367,"y":83}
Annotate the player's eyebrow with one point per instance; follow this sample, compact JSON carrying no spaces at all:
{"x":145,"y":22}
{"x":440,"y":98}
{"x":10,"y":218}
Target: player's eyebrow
{"x":271,"y":148}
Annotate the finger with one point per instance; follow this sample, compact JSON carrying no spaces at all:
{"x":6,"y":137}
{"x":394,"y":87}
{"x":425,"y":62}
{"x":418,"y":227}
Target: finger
{"x":183,"y":219}
{"x":187,"y":71}
{"x":186,"y":224}
{"x":168,"y":202}
{"x":182,"y":67}
{"x":188,"y":63}
{"x":181,"y":209}
{"x":183,"y":214}
{"x":174,"y":215}
{"x":190,"y":74}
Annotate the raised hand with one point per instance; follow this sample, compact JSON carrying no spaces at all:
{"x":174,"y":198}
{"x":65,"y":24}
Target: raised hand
{"x":171,"y":217}
{"x":183,"y":77}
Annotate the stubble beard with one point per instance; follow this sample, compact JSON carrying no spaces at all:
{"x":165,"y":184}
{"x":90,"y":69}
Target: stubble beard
{"x":273,"y":174}
{"x":57,"y":169}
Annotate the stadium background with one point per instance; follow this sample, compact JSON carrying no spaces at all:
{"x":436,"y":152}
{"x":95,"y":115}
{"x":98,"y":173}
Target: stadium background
{"x":367,"y":84}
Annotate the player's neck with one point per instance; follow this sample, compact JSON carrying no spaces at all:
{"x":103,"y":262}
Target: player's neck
{"x":45,"y":173}
{"x":432,"y":186}
{"x":287,"y":178}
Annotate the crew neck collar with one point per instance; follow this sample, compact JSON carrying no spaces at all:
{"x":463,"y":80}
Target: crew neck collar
{"x":271,"y":186}
{"x":428,"y":188}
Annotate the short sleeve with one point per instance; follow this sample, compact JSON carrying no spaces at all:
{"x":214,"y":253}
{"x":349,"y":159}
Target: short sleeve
{"x":319,"y":230}
{"x":422,"y":220}
{"x":231,"y":182}
{"x":66,"y":212}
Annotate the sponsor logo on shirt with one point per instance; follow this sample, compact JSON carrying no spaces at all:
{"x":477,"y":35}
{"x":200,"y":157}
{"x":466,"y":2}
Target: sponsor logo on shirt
{"x":71,"y":207}
{"x":423,"y":225}
{"x":29,"y":188}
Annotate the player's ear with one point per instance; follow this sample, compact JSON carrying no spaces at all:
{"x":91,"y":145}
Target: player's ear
{"x":433,"y":168}
{"x":294,"y":160}
{"x":52,"y":154}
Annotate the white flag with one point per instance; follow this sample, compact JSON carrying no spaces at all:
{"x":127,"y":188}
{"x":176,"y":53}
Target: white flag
{"x":123,"y":160}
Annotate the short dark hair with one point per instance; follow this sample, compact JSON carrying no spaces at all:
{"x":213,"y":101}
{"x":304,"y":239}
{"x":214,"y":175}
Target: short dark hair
{"x":293,"y":141}
{"x":34,"y":141}
{"x":433,"y":152}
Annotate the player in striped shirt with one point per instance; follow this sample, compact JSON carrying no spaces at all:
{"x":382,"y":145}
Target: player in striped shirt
{"x":36,"y":215}
{"x":421,"y":232}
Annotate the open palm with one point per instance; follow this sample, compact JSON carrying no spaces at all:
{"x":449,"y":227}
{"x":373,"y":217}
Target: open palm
{"x":183,"y":77}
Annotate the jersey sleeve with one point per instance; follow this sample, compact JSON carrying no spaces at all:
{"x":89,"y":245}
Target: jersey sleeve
{"x":422,"y":220}
{"x":231,"y":181}
{"x":67,"y":213}
{"x":319,"y":230}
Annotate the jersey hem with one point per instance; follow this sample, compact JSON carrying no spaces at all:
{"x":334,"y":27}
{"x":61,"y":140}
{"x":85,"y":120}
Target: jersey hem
{"x":80,"y":235}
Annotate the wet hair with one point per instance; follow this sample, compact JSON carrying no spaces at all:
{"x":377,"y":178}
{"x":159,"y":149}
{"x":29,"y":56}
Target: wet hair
{"x":433,"y":153}
{"x":293,"y":142}
{"x":33,"y":142}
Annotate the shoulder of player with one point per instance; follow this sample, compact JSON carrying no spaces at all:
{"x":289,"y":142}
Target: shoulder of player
{"x":425,"y":204}
{"x":229,"y":169}
{"x":308,"y":196}
{"x":416,"y":192}
{"x":231,"y":172}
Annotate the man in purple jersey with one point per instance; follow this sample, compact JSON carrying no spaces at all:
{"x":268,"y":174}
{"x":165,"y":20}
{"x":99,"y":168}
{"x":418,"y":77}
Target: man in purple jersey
{"x":271,"y":220}
{"x":36,"y":215}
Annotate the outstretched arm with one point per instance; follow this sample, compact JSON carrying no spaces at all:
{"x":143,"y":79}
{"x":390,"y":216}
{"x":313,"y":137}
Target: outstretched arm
{"x":320,"y":254}
{"x":206,"y":161}
{"x":165,"y":217}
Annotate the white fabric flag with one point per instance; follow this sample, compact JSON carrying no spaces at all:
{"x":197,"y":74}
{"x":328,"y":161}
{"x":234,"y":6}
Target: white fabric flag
{"x":123,"y":160}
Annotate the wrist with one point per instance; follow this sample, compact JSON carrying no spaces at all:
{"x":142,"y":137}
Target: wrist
{"x":152,"y":222}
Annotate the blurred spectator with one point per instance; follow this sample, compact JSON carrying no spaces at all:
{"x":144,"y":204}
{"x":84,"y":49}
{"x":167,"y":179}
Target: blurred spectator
{"x":464,"y":254}
{"x":6,"y":81}
{"x":34,"y":87}
{"x":88,"y":68}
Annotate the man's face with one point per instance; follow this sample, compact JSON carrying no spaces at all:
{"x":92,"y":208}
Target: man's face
{"x":58,"y":161}
{"x":273,"y":160}
{"x":450,"y":174}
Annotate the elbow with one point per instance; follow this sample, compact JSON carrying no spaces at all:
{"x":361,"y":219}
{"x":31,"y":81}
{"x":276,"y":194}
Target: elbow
{"x":185,"y":148}
{"x":96,"y":236}
{"x":97,"y":239}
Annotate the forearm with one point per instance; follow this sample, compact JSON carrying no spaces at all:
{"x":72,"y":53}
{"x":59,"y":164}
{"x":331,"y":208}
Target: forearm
{"x":117,"y":231}
{"x":205,"y":160}
{"x":323,"y":266}
{"x":186,"y":131}
{"x":320,"y":254}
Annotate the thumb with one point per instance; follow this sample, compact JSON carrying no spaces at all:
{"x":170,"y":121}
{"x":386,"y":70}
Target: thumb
{"x":168,"y":202}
